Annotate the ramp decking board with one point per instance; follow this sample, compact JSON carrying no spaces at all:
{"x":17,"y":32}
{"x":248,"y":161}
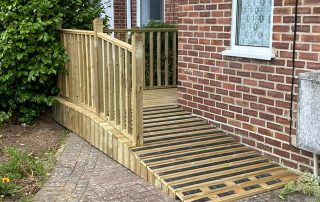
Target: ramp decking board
{"x":182,"y":154}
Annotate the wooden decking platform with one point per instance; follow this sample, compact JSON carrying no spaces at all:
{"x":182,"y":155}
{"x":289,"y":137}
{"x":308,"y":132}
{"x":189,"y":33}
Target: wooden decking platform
{"x":182,"y":154}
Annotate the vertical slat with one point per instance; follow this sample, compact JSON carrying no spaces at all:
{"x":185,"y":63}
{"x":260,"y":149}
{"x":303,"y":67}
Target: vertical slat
{"x":128,"y":91}
{"x":72,"y":72}
{"x":79,"y":58}
{"x":82,"y":61}
{"x":159,"y":58}
{"x":166,"y":63}
{"x":85,"y":68}
{"x":137,"y":88}
{"x":122,"y":88}
{"x":151,"y":59}
{"x":110,"y":81}
{"x":103,"y":78}
{"x":105,"y":93}
{"x":144,"y":60}
{"x":75,"y":68}
{"x":174,"y":62}
{"x":98,"y":28}
{"x":116,"y":85}
{"x":90,"y":72}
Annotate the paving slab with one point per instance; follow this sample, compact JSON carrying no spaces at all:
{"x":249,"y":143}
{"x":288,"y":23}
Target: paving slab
{"x":83,"y":173}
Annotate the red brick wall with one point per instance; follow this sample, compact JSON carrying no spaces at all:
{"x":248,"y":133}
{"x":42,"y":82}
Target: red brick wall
{"x":171,"y":11}
{"x":250,"y":99}
{"x":120,"y":14}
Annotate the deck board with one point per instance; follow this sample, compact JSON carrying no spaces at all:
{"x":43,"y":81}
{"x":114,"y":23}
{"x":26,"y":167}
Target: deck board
{"x":182,"y":154}
{"x":160,"y":97}
{"x":197,"y":162}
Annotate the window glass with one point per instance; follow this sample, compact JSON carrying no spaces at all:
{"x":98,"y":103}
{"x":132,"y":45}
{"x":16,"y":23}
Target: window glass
{"x":253,"y":23}
{"x":151,"y":10}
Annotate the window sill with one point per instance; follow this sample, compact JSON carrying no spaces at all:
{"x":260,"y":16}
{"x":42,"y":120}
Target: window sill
{"x":249,"y":54}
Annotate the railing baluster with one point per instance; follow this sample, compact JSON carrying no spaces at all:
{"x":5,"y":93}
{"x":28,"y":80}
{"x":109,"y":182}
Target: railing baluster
{"x":122,"y":88}
{"x":174,"y":61}
{"x":128,"y":75}
{"x":90,"y":72}
{"x":79,"y":72}
{"x":151,"y":53}
{"x":85,"y":69}
{"x":159,"y":59}
{"x":105,"y":57}
{"x":116,"y":85}
{"x":166,"y":63}
{"x":111,"y":82}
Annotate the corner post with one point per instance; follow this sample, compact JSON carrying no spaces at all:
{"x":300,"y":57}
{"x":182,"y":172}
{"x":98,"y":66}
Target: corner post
{"x":137,"y":87}
{"x":97,"y":28}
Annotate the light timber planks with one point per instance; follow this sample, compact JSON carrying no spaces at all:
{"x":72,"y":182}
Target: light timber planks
{"x":186,"y":158}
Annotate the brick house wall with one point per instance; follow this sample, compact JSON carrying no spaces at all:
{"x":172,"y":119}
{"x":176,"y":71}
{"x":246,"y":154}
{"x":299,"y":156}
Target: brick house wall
{"x":120,"y":13}
{"x":171,"y":11}
{"x":249,"y":99}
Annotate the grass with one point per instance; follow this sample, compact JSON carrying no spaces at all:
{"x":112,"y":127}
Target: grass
{"x":307,"y":184}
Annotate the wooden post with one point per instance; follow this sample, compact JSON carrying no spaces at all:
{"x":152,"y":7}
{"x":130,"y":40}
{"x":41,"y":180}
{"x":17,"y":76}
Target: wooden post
{"x":97,"y":28}
{"x":137,"y":87}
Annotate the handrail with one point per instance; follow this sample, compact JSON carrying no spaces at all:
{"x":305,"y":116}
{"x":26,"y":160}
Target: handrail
{"x":142,"y":30}
{"x":72,"y":31}
{"x":115,"y":41}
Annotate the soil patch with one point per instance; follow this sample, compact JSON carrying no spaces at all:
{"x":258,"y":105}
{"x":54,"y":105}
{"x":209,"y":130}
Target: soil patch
{"x":39,"y":138}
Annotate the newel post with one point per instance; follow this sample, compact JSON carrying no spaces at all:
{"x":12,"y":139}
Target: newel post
{"x":97,"y":28}
{"x":137,"y":87}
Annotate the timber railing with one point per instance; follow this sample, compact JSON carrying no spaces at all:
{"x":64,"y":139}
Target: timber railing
{"x":105,"y":75}
{"x":161,"y":54}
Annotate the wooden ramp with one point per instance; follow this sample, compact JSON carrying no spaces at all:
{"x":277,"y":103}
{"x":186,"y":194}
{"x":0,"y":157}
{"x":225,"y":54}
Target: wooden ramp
{"x":190,"y":159}
{"x":182,"y":155}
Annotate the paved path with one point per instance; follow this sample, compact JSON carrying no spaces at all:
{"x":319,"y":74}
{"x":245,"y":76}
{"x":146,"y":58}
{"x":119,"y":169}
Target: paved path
{"x":85,"y":174}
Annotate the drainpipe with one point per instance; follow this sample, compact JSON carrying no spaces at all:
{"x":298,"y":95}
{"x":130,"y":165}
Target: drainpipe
{"x":293,"y":69}
{"x":315,"y":156}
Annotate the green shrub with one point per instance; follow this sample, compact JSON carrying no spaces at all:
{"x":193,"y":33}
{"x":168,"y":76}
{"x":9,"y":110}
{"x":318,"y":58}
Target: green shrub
{"x":79,"y":14}
{"x":30,"y":57}
{"x":31,"y":54}
{"x":158,"y":24}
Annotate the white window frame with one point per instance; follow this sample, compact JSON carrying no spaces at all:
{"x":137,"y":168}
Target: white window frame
{"x":139,"y":5}
{"x":260,"y":53}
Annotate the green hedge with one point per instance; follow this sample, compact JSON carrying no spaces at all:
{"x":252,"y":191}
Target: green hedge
{"x":31,"y":54}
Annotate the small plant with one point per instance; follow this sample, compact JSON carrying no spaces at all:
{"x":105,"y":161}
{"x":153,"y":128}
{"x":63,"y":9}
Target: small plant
{"x":7,"y":188}
{"x":19,"y":167}
{"x":307,"y":184}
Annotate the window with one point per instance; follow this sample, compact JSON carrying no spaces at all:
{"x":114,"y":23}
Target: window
{"x":151,"y":10}
{"x":251,"y":31}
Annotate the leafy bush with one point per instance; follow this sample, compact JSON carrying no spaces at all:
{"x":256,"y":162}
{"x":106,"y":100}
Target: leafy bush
{"x":31,"y":54}
{"x":30,"y":57}
{"x":79,"y":14}
{"x":307,"y":184}
{"x":158,"y":24}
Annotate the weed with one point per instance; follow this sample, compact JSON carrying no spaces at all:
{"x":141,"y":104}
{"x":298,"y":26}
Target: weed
{"x":20,"y":166}
{"x":307,"y":184}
